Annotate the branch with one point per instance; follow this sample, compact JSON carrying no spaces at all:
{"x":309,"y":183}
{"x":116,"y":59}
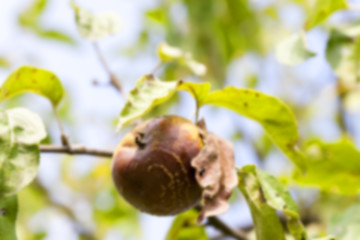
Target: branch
{"x":114,"y":81}
{"x":225,"y":229}
{"x":76,"y":150}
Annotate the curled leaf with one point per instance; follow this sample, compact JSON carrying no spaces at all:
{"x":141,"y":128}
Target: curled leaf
{"x":215,"y":173}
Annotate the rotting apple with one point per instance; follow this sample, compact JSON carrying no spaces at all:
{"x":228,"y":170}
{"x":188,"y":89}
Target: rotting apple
{"x":152,"y":166}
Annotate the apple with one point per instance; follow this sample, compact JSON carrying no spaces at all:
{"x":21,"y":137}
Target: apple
{"x":152,"y":169}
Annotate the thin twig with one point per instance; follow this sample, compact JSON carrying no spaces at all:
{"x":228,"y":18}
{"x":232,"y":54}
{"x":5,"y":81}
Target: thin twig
{"x":158,"y":65}
{"x":197,"y":111}
{"x":115,"y":82}
{"x":225,"y":229}
{"x":64,"y":138}
{"x":76,"y":150}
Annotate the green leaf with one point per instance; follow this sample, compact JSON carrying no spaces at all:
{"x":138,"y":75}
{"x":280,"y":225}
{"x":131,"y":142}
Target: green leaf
{"x":8,"y":213}
{"x":148,"y":92}
{"x":184,"y":227}
{"x":276,"y":195}
{"x":292,"y":50}
{"x":35,"y":80}
{"x":346,"y":226}
{"x":341,"y":160}
{"x":266,"y":221}
{"x":199,"y":91}
{"x":95,"y":27}
{"x":322,"y":10}
{"x":20,"y":134}
{"x":343,"y":54}
{"x":169,"y":53}
{"x":275,"y":117}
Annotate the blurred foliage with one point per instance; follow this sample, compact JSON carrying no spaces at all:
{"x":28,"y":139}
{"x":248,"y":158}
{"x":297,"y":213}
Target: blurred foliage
{"x":169,"y":53}
{"x":8,"y":212}
{"x":343,"y":54}
{"x":345,"y":226}
{"x":218,"y":31}
{"x":29,"y":18}
{"x":109,"y":209}
{"x":292,"y":50}
{"x":321,"y":210}
{"x":32,"y":200}
{"x":96,"y":27}
{"x":340,"y":160}
{"x":320,"y":10}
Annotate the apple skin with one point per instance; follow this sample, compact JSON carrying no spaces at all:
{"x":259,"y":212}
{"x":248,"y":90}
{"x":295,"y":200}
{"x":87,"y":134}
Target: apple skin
{"x":152,"y":166}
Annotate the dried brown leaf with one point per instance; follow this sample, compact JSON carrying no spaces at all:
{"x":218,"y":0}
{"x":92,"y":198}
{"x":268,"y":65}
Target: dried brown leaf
{"x":215,"y":173}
